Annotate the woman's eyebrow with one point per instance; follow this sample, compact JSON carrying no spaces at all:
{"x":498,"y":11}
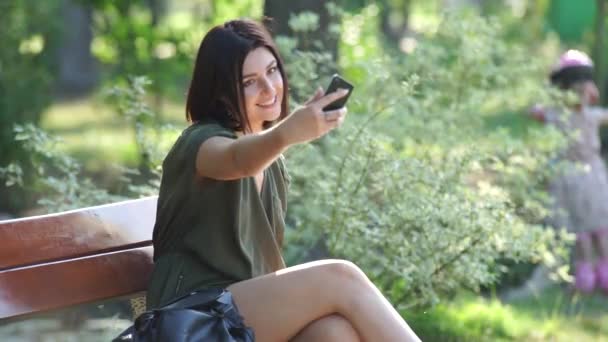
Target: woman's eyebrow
{"x":268,"y":66}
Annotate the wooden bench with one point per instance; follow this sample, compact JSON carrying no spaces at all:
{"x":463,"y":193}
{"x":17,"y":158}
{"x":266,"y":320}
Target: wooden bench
{"x":83,"y":256}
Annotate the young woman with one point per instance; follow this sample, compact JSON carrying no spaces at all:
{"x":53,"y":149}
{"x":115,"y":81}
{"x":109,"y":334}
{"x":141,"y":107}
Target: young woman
{"x":581,"y":192}
{"x":222,"y":202}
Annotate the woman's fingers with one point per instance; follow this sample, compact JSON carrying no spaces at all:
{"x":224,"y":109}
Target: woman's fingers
{"x":340,"y":121}
{"x":330,"y":98}
{"x":317,"y":95}
{"x":334,"y":115}
{"x":334,"y":118}
{"x":311,"y":122}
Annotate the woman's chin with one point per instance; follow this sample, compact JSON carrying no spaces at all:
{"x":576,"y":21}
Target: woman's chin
{"x":269,"y":114}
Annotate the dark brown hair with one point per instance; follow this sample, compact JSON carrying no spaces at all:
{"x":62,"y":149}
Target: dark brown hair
{"x":216,"y":89}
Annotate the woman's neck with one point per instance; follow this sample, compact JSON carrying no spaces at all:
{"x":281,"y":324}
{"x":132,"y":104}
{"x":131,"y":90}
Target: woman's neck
{"x":253,"y":130}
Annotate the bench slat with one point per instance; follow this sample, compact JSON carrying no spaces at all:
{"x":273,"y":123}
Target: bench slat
{"x":43,"y":287}
{"x":77,"y":233}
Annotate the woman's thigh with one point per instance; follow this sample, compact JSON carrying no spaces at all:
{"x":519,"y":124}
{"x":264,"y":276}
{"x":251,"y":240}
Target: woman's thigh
{"x":279,"y":305}
{"x":332,"y":328}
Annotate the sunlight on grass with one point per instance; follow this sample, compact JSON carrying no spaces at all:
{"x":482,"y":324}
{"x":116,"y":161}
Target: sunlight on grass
{"x":553,"y":315}
{"x":91,"y":132}
{"x":468,"y":319}
{"x":76,"y":114}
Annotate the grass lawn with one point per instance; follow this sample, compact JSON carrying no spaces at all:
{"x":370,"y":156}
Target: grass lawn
{"x":552,"y":315}
{"x":97,"y":136}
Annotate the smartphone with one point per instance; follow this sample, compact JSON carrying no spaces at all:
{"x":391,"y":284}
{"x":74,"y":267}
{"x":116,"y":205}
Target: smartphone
{"x":336,"y":83}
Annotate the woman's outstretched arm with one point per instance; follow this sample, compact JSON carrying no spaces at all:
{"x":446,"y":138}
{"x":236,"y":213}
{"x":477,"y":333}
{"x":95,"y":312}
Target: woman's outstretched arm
{"x":225,"y":159}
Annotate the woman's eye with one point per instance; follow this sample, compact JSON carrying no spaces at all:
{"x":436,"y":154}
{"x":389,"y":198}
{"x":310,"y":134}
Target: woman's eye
{"x":272,"y":70}
{"x":248,"y":83}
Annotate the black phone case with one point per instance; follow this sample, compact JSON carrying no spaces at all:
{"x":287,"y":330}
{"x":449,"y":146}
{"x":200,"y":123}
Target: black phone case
{"x":336,"y":83}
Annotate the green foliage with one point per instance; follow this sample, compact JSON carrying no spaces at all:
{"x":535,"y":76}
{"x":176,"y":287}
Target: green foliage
{"x":478,"y":320}
{"x":357,"y":44}
{"x":222,"y":11}
{"x":29,"y":37}
{"x":59,"y":182}
{"x":129,"y":40}
{"x":26,"y":60}
{"x":309,"y":63}
{"x":57,"y":175}
{"x":415,"y":188}
{"x":130,"y":105}
{"x":552,"y":315}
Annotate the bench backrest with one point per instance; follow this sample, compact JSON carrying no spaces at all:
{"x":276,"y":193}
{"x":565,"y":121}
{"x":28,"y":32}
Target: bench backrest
{"x":76,"y":257}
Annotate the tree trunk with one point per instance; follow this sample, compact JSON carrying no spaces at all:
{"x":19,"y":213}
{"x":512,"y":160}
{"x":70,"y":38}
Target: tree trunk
{"x":393,"y":33}
{"x":158,"y":9}
{"x":78,"y":70}
{"x":280,"y":11}
{"x":600,"y":66}
{"x":599,"y":46}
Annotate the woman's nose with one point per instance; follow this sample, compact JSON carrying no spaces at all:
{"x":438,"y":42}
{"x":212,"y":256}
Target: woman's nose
{"x":267,"y":85}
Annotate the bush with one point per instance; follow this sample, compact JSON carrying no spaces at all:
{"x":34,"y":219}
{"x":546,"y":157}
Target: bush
{"x":58,"y":182}
{"x":135,"y":38}
{"x":415,"y":188}
{"x":30,"y":33}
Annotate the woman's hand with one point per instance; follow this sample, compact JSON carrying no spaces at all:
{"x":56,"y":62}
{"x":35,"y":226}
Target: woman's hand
{"x":310,"y":121}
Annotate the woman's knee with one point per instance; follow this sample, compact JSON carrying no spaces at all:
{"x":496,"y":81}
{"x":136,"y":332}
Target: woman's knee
{"x":328,"y":329}
{"x":344,"y":272}
{"x":350,"y":288}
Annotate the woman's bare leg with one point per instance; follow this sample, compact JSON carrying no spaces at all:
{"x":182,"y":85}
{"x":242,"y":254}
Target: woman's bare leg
{"x":280,"y":305}
{"x":332,"y":328}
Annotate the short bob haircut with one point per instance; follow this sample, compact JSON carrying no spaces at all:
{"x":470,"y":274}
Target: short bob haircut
{"x":216,"y":89}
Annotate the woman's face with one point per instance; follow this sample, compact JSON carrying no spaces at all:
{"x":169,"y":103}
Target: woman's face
{"x":262,"y":88}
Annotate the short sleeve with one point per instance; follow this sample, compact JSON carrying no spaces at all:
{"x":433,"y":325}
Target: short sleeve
{"x":201,"y":132}
{"x":185,"y":150}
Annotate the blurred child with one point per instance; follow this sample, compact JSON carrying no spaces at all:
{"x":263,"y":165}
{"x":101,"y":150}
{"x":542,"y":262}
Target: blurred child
{"x":581,"y":191}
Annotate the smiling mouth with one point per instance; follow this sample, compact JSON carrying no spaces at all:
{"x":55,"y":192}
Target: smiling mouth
{"x":269,"y":103}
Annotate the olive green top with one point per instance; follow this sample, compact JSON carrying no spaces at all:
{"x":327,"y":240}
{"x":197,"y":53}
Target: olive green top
{"x":213,"y":233}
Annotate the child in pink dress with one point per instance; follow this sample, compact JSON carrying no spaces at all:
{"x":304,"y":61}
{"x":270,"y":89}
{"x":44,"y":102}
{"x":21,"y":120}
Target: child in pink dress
{"x":581,"y":191}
